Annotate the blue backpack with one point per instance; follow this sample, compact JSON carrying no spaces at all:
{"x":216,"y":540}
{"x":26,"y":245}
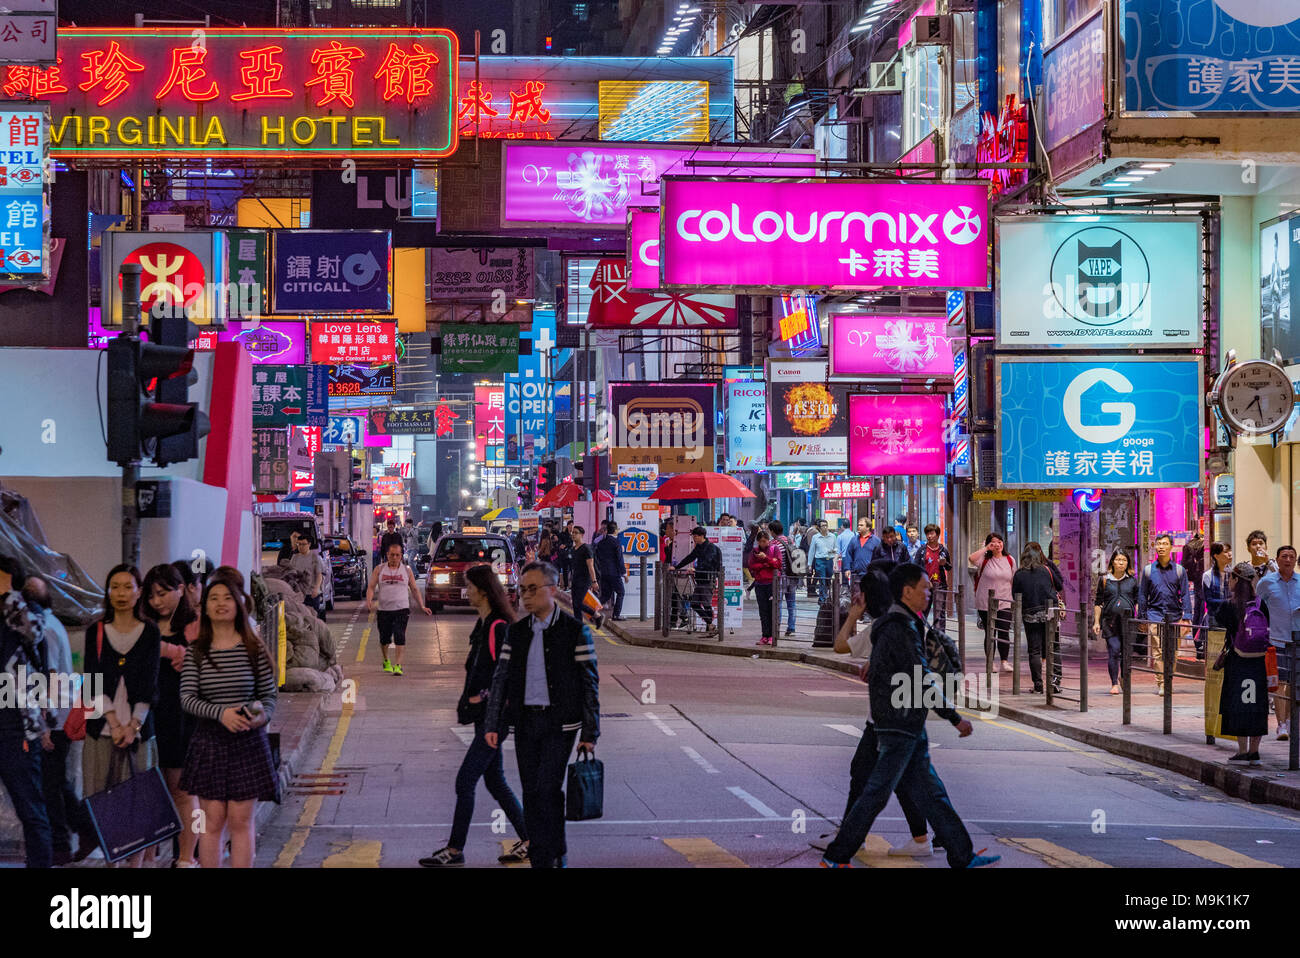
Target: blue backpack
{"x":1252,"y":634}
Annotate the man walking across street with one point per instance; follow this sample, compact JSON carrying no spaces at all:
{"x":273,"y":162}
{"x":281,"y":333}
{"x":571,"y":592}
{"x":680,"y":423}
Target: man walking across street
{"x":1164,"y":596}
{"x":547,"y":688}
{"x":903,"y":757}
{"x":1279,"y":593}
{"x":708,"y":569}
{"x":611,"y":570}
{"x":823,"y":550}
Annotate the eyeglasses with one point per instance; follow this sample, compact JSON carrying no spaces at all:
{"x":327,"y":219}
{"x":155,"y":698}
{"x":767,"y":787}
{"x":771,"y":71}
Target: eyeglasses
{"x":530,"y":589}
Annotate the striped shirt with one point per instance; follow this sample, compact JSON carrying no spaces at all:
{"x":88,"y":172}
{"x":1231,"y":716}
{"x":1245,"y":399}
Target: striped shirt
{"x":225,"y":679}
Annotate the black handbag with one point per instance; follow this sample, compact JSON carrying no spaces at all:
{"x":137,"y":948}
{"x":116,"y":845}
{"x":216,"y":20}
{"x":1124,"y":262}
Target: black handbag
{"x":585,"y":796}
{"x":135,"y":814}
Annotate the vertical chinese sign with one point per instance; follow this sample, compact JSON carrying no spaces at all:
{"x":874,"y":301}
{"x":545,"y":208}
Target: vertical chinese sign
{"x":490,"y":425}
{"x":24,"y":209}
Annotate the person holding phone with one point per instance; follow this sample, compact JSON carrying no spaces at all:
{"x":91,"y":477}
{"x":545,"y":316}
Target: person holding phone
{"x":994,"y":570}
{"x":228,"y":683}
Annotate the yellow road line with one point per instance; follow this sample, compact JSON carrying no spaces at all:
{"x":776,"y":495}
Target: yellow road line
{"x":355,"y":855}
{"x":875,"y":854}
{"x":361,"y":646}
{"x":704,"y":853}
{"x":1054,"y":855}
{"x":1214,"y":852}
{"x":298,"y":840}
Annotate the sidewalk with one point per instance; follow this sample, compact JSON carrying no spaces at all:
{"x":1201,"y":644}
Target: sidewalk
{"x":1184,"y":751}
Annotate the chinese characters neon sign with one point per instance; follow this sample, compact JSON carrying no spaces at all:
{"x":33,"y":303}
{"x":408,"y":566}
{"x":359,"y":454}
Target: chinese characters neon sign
{"x":247,"y":92}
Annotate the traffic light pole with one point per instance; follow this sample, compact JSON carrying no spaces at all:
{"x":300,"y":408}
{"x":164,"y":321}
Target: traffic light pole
{"x":131,"y":470}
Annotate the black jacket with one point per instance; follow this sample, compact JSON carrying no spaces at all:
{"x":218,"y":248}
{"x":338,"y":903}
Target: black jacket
{"x":896,"y":653}
{"x":609,"y":557}
{"x":708,"y":562}
{"x":1036,"y":588}
{"x":140,"y":670}
{"x":479,"y":666}
{"x":1117,"y":597}
{"x":571,"y":678}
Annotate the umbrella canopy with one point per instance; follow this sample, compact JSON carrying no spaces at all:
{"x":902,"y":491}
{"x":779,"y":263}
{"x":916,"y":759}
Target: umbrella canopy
{"x":697,"y":486}
{"x":509,"y":512}
{"x":561,"y":497}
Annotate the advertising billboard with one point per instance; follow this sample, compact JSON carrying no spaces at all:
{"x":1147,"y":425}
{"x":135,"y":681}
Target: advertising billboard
{"x":643,"y":250}
{"x":893,"y":347}
{"x":1111,"y":424}
{"x":290,"y":395}
{"x":331,"y":271}
{"x":260,"y":93}
{"x":1108,"y":282}
{"x":746,"y":405}
{"x":670,"y":425}
{"x":1074,"y":71}
{"x":530,"y":395}
{"x":613,"y":306}
{"x":490,"y":425}
{"x":823,"y":235}
{"x":353,"y":342}
{"x":590,"y":185}
{"x":352,"y":380}
{"x":25,"y":238}
{"x":807,"y":416}
{"x":896,"y":436}
{"x":182,"y":273}
{"x":845,"y":489}
{"x":475,"y":274}
{"x":1279,"y":247}
{"x":342,"y":430}
{"x":269,"y":342}
{"x":1222,"y":56}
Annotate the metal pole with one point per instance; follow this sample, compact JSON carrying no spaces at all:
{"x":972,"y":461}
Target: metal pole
{"x":661,"y":615}
{"x":1169,"y":646}
{"x":1083,"y":656}
{"x":1049,"y":660}
{"x":990,"y":645}
{"x":778,"y":585}
{"x":1017,"y":631}
{"x":1126,"y":655}
{"x":1294,"y":751}
{"x":835,"y":607}
{"x":961,"y":622}
{"x":644,"y":597}
{"x":131,"y":471}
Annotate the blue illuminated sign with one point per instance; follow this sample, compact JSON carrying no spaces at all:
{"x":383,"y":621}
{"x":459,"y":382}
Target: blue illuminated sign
{"x":24,"y":213}
{"x":1128,"y":424}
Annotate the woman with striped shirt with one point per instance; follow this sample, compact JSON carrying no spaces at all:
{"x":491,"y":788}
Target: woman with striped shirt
{"x":228,"y":681}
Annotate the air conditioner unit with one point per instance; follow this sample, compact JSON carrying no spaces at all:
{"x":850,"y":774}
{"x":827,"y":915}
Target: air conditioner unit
{"x":887,"y":77}
{"x":932,"y":30}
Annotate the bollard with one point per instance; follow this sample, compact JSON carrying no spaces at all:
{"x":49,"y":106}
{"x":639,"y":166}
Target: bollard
{"x":659,"y":610}
{"x":990,"y":644}
{"x":1126,"y":627}
{"x":961,"y":623}
{"x":1293,"y":762}
{"x":667,"y":587}
{"x":1017,"y":633}
{"x":1082,"y":626}
{"x":778,"y":587}
{"x":644,"y":597}
{"x":1169,"y":646}
{"x":721,"y":594}
{"x":1049,"y":674}
{"x":835,"y":608}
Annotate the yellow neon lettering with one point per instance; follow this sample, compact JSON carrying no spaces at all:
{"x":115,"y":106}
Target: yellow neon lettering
{"x":267,"y":129}
{"x":334,"y":122}
{"x":214,"y":132}
{"x":57,"y":131}
{"x":382,"y":140}
{"x":178,"y":131}
{"x":311,"y":125}
{"x":360,"y":126}
{"x":128,"y":138}
{"x":97,"y":125}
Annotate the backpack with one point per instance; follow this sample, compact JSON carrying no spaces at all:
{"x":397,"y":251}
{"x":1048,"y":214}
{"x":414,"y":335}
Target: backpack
{"x":787,"y":566}
{"x":1252,"y":633}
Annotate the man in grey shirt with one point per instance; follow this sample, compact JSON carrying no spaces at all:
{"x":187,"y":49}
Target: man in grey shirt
{"x":309,"y":564}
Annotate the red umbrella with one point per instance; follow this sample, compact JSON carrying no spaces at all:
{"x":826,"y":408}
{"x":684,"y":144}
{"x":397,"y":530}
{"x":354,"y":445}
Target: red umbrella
{"x":695,"y":486}
{"x":561,"y":497}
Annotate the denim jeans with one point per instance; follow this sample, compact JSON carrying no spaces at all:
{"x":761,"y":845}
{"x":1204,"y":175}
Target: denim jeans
{"x":483,"y":761}
{"x":903,"y":763}
{"x":860,"y":769}
{"x":823,"y":570}
{"x":20,"y":773}
{"x":542,"y":749}
{"x":791,"y":586}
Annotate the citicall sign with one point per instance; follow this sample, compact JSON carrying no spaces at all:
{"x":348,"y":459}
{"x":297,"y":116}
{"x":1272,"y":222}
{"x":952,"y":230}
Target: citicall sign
{"x":743,"y":234}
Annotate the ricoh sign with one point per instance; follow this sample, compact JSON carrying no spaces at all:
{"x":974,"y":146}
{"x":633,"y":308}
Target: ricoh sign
{"x":823,"y":235}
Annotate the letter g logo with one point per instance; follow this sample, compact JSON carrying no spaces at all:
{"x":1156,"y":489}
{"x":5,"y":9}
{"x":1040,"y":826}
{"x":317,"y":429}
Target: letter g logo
{"x":1073,"y":406}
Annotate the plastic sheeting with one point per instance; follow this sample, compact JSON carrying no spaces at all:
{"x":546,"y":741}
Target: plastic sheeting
{"x":75,"y":597}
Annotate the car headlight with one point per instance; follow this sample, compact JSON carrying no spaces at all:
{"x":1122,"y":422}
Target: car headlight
{"x":442,"y":578}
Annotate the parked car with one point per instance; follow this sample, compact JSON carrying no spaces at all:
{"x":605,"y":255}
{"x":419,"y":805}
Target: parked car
{"x":453,"y":554}
{"x":348,"y":564}
{"x":276,"y":528}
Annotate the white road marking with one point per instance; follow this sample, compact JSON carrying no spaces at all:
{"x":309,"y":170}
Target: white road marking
{"x":699,"y":760}
{"x":834,"y":694}
{"x":660,"y":724}
{"x":852,"y":730}
{"x":818,"y":818}
{"x":752,"y":802}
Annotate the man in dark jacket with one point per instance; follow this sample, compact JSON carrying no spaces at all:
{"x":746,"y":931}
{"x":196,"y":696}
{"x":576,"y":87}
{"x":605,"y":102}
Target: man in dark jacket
{"x":890,"y":548}
{"x":546,"y":688}
{"x":611,"y":569}
{"x":708,"y":569}
{"x":901,"y":686}
{"x":24,"y":729}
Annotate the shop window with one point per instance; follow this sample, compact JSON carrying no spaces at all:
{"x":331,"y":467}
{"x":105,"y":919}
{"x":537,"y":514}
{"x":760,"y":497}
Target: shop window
{"x":925,"y":82}
{"x":1063,"y":15}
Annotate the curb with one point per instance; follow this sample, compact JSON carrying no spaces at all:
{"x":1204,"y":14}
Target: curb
{"x":289,"y":763}
{"x":1256,"y":789}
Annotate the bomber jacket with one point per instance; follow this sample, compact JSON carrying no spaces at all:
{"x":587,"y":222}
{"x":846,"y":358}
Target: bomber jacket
{"x":571,"y":678}
{"x":896,"y":650}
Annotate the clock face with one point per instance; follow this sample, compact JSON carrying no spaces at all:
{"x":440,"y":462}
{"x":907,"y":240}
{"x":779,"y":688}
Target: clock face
{"x":1256,"y":398}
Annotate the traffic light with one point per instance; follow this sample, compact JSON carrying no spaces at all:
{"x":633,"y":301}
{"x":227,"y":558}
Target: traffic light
{"x":166,"y":429}
{"x":174,"y":391}
{"x":545,"y":477}
{"x":592,"y":472}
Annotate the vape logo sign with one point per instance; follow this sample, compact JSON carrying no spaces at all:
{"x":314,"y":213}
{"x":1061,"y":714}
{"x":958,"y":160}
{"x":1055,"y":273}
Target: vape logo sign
{"x":1100,"y":277}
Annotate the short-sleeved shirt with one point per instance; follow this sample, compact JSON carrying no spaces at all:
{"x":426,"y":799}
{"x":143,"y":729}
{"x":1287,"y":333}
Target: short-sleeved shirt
{"x":580,"y":557}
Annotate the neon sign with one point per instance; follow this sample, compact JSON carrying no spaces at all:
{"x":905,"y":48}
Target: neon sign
{"x":1005,"y":139}
{"x":247,"y":92}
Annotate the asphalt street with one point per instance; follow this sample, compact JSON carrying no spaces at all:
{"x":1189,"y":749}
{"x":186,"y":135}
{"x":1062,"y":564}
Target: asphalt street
{"x":716,"y":761}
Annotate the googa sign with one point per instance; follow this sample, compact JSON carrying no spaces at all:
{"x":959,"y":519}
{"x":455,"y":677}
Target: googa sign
{"x":823,"y":235}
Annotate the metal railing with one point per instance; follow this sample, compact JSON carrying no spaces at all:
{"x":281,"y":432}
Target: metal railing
{"x":1064,"y":666}
{"x":1156,"y":648}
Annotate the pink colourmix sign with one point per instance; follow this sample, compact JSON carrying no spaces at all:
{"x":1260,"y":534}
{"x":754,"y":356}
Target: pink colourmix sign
{"x":890,"y":346}
{"x":588,"y":185}
{"x":896,"y":436}
{"x":743,"y":234}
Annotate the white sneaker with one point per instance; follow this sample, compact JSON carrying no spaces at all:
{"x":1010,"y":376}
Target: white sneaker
{"x":1007,"y":666}
{"x":912,"y":849}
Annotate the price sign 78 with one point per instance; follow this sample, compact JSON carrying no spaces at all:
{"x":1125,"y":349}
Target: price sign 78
{"x":639,"y":542}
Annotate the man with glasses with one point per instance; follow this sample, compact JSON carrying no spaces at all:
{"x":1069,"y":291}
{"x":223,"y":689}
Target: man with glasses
{"x":1279,"y":593}
{"x":546,"y":688}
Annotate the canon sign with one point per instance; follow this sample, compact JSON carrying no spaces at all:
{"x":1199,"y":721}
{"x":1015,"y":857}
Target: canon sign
{"x":776,"y":236}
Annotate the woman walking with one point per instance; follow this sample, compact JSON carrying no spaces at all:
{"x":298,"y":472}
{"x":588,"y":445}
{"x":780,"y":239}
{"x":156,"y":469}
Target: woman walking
{"x":994,"y":570}
{"x":125,"y":650}
{"x":228,"y":683}
{"x":488,"y":597}
{"x":763,"y":565}
{"x":167,"y":606}
{"x":1115,"y":605}
{"x":1244,"y":709}
{"x":1039,"y":603}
